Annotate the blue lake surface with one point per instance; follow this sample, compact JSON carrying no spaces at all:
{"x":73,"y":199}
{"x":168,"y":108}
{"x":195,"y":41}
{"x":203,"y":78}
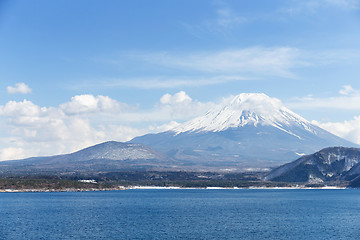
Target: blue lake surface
{"x":182,"y":214}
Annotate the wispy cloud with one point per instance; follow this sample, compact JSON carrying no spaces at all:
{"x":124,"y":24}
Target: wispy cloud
{"x":202,"y":68}
{"x":348,"y":99}
{"x":21,"y":88}
{"x":313,"y":6}
{"x":348,"y":90}
{"x":275,"y":61}
{"x":328,"y":57}
{"x":345,"y":4}
{"x":224,"y":20}
{"x":175,"y":70}
{"x":161,"y":82}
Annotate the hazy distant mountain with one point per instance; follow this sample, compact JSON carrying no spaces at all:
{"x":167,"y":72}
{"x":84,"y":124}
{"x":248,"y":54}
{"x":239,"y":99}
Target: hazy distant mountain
{"x":329,"y":164}
{"x":250,"y":131}
{"x":108,"y":156}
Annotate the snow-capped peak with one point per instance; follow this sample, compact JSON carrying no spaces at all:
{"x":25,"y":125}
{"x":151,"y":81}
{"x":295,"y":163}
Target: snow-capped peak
{"x":256,"y":109}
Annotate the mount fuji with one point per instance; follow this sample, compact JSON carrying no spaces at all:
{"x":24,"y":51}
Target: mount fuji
{"x":250,"y":131}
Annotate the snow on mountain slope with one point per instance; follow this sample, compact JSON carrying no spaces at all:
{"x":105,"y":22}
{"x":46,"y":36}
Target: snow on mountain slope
{"x":107,"y":156}
{"x":250,"y":130}
{"x":329,"y":164}
{"x":247,"y":109}
{"x":116,"y":151}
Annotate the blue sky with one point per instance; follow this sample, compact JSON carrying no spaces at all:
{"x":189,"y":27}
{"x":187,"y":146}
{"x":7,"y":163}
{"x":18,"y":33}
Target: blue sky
{"x":75,"y":73}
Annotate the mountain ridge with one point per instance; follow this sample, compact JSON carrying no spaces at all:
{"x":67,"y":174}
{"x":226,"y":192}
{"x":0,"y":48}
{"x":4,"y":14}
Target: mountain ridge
{"x":251,"y":130}
{"x":107,"y":156}
{"x":328,"y":164}
{"x":246,"y":109}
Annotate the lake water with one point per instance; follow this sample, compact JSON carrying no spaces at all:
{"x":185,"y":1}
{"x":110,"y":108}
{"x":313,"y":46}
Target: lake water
{"x":182,"y":214}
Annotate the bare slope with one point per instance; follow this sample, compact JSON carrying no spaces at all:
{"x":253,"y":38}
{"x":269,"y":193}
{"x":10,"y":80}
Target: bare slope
{"x":108,"y":156}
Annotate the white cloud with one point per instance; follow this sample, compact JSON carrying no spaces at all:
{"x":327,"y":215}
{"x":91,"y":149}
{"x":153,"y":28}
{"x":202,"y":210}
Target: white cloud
{"x":24,"y":108}
{"x":19,"y":88}
{"x":349,"y":129}
{"x":49,"y":135}
{"x":91,"y":104}
{"x":180,"y":106}
{"x":30,"y":130}
{"x":12,"y":153}
{"x":180,"y":97}
{"x":348,"y":99}
{"x":349,"y":90}
{"x":341,"y":102}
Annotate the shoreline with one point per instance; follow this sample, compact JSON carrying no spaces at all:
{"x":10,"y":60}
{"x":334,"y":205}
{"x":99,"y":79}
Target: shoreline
{"x":234,"y":188}
{"x":122,"y":188}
